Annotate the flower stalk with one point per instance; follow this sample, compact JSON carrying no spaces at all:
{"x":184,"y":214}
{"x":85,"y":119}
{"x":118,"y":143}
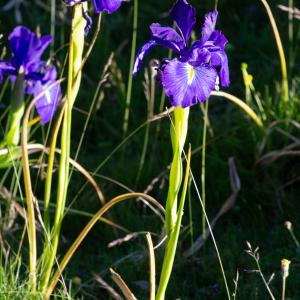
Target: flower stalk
{"x":178,"y":132}
{"x":74,"y":79}
{"x":285,"y":265}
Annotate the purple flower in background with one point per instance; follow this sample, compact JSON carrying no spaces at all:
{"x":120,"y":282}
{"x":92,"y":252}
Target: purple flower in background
{"x":109,"y":6}
{"x":191,"y":77}
{"x":100,"y":5}
{"x":46,"y":104}
{"x":27,"y":49}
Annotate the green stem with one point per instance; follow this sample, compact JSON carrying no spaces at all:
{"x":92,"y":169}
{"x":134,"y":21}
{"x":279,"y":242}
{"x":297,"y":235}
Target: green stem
{"x":283,"y":287}
{"x":294,"y":238}
{"x":16,"y":111}
{"x":13,"y":138}
{"x":48,"y":183}
{"x":216,"y":4}
{"x":191,"y":217}
{"x":173,"y":238}
{"x":74,"y":79}
{"x":263,"y":279}
{"x":133,"y":50}
{"x":203,"y":169}
{"x":30,"y":214}
{"x":291,"y":34}
{"x":52,"y":26}
{"x":178,"y":132}
{"x":247,"y":109}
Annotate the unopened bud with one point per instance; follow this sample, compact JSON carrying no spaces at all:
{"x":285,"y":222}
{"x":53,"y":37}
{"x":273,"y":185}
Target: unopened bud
{"x":285,"y":266}
{"x":288,"y":225}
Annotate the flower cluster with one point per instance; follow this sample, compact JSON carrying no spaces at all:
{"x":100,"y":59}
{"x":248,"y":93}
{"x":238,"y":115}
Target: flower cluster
{"x":27,"y":49}
{"x":196,"y":72}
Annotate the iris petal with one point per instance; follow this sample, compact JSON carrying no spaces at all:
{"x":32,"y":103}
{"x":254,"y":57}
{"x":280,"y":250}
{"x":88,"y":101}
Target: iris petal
{"x":109,"y":5}
{"x":72,"y":2}
{"x":198,"y":56}
{"x":186,"y":85}
{"x":209,"y":25}
{"x":6,"y":68}
{"x":185,"y":17}
{"x":219,"y":60}
{"x":163,"y":36}
{"x":26,"y":46}
{"x":141,"y":54}
{"x":215,"y":45}
{"x":47,"y":104}
{"x":218,"y":39}
{"x":27,"y":49}
{"x":166,"y":37}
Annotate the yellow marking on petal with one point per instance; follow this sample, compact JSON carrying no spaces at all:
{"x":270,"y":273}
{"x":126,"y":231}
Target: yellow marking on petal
{"x":191,"y":74}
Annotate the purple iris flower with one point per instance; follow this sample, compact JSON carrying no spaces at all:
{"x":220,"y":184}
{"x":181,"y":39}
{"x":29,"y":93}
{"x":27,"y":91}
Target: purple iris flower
{"x":27,"y":49}
{"x":196,"y":72}
{"x":100,"y":5}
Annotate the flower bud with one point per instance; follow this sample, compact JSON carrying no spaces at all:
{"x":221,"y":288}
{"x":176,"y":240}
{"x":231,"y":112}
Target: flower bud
{"x":285,"y":265}
{"x":288,"y":225}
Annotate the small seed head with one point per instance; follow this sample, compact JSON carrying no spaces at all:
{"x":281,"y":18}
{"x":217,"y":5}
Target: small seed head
{"x":285,"y":266}
{"x":288,"y":225}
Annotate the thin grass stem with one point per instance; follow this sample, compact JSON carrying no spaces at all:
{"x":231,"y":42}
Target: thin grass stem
{"x":211,"y":232}
{"x":263,"y":279}
{"x":133,"y":50}
{"x":48,"y":182}
{"x":191,"y":216}
{"x":74,"y":79}
{"x":285,"y":85}
{"x":203,"y":168}
{"x":125,"y":140}
{"x":52,"y":25}
{"x":30,"y":203}
{"x":87,"y":229}
{"x":247,"y":109}
{"x":291,"y":34}
{"x":152,"y":266}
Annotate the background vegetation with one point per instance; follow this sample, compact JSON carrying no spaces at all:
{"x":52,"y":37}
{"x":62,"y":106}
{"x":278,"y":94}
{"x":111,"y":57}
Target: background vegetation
{"x":269,"y":192}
